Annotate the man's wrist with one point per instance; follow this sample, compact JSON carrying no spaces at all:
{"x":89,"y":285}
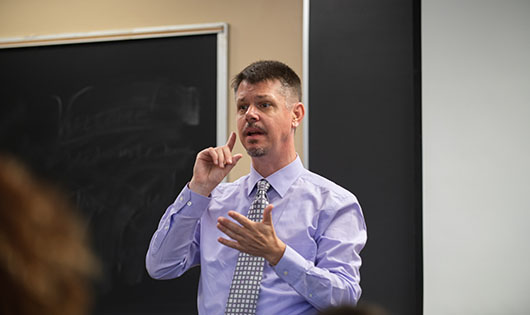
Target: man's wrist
{"x":277,"y":256}
{"x":204,"y":190}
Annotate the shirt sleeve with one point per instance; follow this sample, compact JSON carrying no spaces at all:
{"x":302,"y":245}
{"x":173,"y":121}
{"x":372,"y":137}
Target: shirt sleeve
{"x":174,"y":247}
{"x":333,"y":278}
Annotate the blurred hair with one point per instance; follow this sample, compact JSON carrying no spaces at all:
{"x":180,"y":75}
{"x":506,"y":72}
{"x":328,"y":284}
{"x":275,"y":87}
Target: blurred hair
{"x":264,"y":70}
{"x":46,"y":266}
{"x":364,"y":309}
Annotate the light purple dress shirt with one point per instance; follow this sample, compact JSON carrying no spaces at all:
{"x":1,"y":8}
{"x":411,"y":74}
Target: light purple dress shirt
{"x":321,"y":223}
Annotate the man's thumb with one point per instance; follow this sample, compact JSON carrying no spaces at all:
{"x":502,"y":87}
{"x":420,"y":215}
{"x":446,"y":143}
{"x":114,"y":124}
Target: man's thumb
{"x":267,"y":214}
{"x":235,"y":159}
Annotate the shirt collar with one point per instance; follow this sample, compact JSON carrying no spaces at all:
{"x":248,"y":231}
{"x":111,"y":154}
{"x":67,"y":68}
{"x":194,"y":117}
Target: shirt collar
{"x":280,"y":180}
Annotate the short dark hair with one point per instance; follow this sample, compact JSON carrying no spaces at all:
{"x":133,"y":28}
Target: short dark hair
{"x":269,"y":70}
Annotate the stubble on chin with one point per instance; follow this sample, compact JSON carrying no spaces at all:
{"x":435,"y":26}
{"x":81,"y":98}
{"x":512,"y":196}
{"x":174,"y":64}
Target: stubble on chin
{"x":256,"y":152}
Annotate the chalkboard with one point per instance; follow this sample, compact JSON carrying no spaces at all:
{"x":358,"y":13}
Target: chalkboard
{"x":365,"y":133}
{"x":117,"y":125}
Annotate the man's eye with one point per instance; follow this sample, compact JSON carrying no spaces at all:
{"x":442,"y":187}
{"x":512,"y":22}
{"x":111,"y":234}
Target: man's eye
{"x":265,"y":105}
{"x":242,"y":108}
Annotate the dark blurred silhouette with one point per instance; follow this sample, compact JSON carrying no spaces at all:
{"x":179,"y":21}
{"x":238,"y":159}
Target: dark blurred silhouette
{"x":46,"y":266}
{"x":365,"y":309}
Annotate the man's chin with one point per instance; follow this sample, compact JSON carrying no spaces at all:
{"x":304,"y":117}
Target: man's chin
{"x":256,"y":152}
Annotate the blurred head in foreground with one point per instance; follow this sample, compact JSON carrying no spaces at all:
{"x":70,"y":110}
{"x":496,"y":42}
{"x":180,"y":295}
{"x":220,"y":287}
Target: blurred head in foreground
{"x":365,"y":309}
{"x":46,"y":266}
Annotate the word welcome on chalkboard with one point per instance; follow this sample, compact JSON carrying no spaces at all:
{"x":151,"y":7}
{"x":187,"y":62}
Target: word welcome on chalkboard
{"x":116,"y":119}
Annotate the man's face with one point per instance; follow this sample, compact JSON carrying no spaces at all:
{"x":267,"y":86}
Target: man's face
{"x":264,"y":122}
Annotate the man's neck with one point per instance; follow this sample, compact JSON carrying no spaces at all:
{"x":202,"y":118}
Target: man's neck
{"x":268,"y":164}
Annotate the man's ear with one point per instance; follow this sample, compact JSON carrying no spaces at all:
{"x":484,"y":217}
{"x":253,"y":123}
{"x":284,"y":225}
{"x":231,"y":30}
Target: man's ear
{"x":297,"y":113}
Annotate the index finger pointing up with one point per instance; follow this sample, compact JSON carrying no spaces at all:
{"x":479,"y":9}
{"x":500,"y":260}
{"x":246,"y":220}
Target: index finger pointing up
{"x":231,"y":141}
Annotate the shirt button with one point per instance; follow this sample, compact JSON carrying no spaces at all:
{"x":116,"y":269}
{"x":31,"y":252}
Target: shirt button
{"x":285,"y":272}
{"x":189,"y":203}
{"x":181,"y":198}
{"x":167,"y":227}
{"x":310,"y":294}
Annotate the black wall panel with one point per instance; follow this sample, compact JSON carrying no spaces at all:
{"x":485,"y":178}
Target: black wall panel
{"x":365,"y":133}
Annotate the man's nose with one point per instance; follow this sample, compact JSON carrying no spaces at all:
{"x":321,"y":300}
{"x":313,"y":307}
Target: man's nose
{"x":252,"y":113}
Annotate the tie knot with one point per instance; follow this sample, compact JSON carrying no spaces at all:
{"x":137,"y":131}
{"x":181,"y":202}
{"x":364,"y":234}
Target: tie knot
{"x":263,"y":185}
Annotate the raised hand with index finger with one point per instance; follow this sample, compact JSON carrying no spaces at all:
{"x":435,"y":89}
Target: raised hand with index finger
{"x":212,"y":165}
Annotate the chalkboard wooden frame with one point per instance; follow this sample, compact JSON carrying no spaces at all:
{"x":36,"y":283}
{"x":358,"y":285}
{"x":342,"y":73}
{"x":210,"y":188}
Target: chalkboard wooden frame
{"x":221,"y":29}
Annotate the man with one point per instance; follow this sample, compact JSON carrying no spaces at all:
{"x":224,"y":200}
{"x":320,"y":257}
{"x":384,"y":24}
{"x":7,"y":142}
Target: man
{"x":310,"y":234}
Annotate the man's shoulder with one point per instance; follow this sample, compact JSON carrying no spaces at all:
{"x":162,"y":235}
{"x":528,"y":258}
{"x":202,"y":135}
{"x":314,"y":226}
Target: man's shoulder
{"x":324,"y":186}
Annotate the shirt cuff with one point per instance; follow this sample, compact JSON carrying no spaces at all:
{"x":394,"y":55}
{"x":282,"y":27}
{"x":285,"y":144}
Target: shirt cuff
{"x":189,"y":204}
{"x":292,"y":266}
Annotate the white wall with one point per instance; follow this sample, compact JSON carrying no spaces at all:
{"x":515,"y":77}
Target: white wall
{"x":476,"y":155}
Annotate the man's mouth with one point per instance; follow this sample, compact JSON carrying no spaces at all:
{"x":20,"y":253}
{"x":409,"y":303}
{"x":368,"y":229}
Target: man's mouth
{"x":253,"y":131}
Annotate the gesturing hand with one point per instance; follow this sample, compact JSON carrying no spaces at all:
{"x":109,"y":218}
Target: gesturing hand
{"x":212,"y":165}
{"x":254,"y":238}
